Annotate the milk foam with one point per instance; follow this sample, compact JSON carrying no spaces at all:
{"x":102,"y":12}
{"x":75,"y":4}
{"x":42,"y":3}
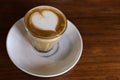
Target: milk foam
{"x":46,"y":20}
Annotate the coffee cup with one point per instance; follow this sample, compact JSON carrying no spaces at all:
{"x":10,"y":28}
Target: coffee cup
{"x":45,"y":26}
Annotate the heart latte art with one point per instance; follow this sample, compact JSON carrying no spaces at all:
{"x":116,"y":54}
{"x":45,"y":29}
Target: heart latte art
{"x":45,"y":22}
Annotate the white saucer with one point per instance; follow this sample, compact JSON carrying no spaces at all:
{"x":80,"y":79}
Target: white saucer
{"x":27,"y":59}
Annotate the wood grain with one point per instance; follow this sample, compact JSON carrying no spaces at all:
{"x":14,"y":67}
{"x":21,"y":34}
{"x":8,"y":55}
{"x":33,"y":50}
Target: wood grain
{"x":99,"y":24}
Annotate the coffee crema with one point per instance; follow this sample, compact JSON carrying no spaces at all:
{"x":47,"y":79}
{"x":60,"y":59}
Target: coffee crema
{"x":45,"y":22}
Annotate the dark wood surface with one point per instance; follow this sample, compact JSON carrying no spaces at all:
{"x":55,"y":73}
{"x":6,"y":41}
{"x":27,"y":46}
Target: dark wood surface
{"x":99,"y":24}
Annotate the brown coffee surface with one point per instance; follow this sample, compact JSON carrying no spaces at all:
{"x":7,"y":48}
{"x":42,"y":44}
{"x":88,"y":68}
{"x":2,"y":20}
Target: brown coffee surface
{"x":59,"y":29}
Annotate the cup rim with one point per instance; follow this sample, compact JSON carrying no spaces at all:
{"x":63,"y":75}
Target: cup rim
{"x":37,"y":36}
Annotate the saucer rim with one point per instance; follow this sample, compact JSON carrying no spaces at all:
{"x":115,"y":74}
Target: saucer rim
{"x":54,"y":75}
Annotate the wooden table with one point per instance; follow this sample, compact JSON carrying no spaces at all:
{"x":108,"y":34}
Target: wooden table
{"x":99,"y":24}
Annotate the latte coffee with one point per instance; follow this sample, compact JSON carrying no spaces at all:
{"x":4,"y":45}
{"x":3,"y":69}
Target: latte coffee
{"x":45,"y":25}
